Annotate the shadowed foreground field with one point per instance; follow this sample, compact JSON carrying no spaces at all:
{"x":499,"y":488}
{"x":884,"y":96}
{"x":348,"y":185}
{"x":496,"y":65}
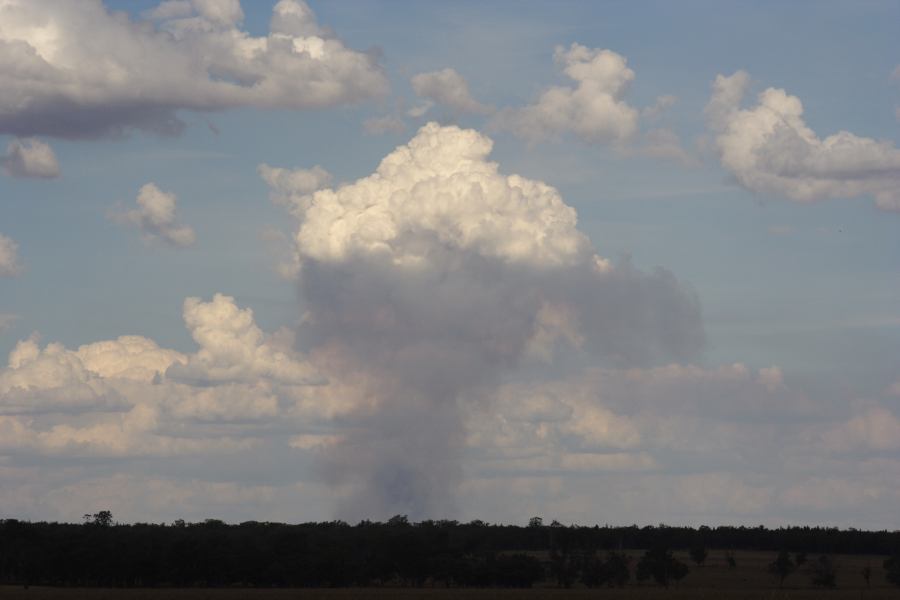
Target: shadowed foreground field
{"x":748,"y":580}
{"x":682,"y":593}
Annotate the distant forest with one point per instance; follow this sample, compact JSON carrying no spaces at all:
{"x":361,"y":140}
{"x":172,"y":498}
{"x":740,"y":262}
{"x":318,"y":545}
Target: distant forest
{"x":103,"y":553}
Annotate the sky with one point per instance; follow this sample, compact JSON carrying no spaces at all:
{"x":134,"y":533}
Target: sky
{"x":608,"y":262}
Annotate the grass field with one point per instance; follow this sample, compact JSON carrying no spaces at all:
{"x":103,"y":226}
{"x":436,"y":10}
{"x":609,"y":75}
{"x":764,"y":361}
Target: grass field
{"x":749,"y":580}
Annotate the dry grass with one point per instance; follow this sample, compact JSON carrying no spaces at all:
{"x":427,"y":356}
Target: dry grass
{"x":713,"y":581}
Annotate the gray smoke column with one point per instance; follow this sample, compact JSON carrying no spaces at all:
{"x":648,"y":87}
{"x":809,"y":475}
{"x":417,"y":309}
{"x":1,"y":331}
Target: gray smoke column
{"x":427,"y":280}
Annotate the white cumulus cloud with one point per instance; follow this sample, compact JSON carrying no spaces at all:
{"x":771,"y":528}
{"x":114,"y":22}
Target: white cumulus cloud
{"x":770,"y":149}
{"x":9,"y":257}
{"x":129,"y":396}
{"x":75,"y":69}
{"x":156,"y":217}
{"x":594,"y":108}
{"x":233,"y":348}
{"x":30,"y":158}
{"x":447,"y":88}
{"x":7,"y":320}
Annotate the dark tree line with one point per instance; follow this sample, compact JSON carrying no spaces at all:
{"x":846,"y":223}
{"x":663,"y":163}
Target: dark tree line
{"x":103,"y":553}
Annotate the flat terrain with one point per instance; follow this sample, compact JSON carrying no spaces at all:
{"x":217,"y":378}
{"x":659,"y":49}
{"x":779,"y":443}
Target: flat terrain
{"x":749,"y":580}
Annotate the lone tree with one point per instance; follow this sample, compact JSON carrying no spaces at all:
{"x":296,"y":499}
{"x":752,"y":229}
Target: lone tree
{"x":662,"y":566}
{"x":103,"y":518}
{"x":823,"y":572}
{"x":867,"y":574}
{"x":699,"y":553}
{"x":782,"y":566}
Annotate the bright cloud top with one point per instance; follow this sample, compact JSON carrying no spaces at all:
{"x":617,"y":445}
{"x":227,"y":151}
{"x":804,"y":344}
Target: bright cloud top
{"x":594,"y":109}
{"x":439,"y":189}
{"x":156,"y":217}
{"x":9,"y":257}
{"x":30,"y":158}
{"x":770,"y":149}
{"x":73,"y":69}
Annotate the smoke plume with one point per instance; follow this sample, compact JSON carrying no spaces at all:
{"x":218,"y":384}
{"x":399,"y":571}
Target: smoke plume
{"x":428,"y":280}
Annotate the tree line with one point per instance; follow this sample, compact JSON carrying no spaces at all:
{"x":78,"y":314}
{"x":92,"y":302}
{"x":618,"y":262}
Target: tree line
{"x":103,"y":553}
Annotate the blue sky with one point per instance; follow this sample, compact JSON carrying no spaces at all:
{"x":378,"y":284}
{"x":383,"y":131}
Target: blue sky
{"x":809,"y":285}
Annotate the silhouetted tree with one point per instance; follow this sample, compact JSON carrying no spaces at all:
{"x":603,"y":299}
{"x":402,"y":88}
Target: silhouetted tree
{"x":535,"y":522}
{"x":823,"y":572}
{"x":103,"y":518}
{"x":782,"y":566}
{"x":661,"y":565}
{"x":616,"y":570}
{"x":698,"y":554}
{"x":517,"y":571}
{"x":866,"y":572}
{"x":102,"y":553}
{"x":592,"y":573}
{"x":892,"y":569}
{"x":611,"y":571}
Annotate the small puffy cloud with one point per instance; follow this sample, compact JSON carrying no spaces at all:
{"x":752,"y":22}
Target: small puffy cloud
{"x":447,"y":88}
{"x":594,"y":108}
{"x":184,"y":54}
{"x":30,"y":158}
{"x":9,"y":257}
{"x":7,"y":320}
{"x":662,"y":104}
{"x":157,"y":218}
{"x":290,"y":186}
{"x":664,"y":144}
{"x":770,"y":149}
{"x":385,"y":124}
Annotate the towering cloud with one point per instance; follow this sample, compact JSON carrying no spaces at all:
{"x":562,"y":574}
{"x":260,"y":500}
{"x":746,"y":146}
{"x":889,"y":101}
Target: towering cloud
{"x":9,"y":257}
{"x":594,"y":109}
{"x":428,"y":279}
{"x":30,"y":158}
{"x":770,"y":149}
{"x":75,"y":69}
{"x":156,"y":217}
